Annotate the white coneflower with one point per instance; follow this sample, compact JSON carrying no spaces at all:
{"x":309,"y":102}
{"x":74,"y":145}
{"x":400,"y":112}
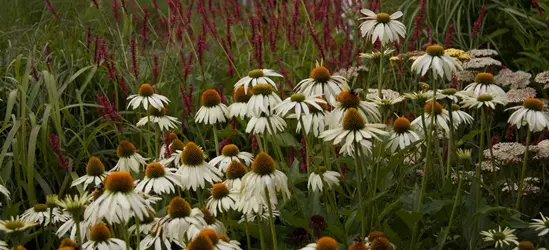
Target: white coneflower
{"x":159,"y":180}
{"x":322,"y":82}
{"x":381,"y":26}
{"x":146,"y":97}
{"x":402,"y":136}
{"x":440,"y":120}
{"x":540,"y":225}
{"x":95,"y":173}
{"x":212,"y":222}
{"x":175,"y":148}
{"x":354,"y":129}
{"x":218,"y":241}
{"x":499,"y":237}
{"x":264,"y":100}
{"x":212,"y":111}
{"x":158,"y":240}
{"x":324,"y":243}
{"x":386,"y":102}
{"x":449,"y":94}
{"x":119,"y":202}
{"x":531,"y":114}
{"x":222,"y":199}
{"x":15,"y":224}
{"x":481,"y":63}
{"x":376,"y":55}
{"x":484,"y":84}
{"x":75,"y":206}
{"x":347,"y":99}
{"x":146,"y":226}
{"x":255,"y":77}
{"x":168,"y":140}
{"x":322,"y":176}
{"x":521,"y":95}
{"x":40,"y":213}
{"x":299,"y":103}
{"x":101,"y":239}
{"x":315,"y":121}
{"x":487,"y":100}
{"x":194,"y":171}
{"x":128,"y":158}
{"x":182,"y":222}
{"x":266,"y":122}
{"x":3,"y":245}
{"x":159,"y":117}
{"x":239,"y":107}
{"x":263,"y":214}
{"x":235,"y":171}
{"x":264,"y":176}
{"x":436,"y":60}
{"x":460,"y":116}
{"x":229,"y":153}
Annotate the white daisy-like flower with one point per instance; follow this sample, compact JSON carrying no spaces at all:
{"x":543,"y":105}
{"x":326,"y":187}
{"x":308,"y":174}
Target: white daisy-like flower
{"x":484,"y":84}
{"x":40,"y":213}
{"x":239,"y":107}
{"x":347,"y":99}
{"x":182,"y":222}
{"x":146,"y":97}
{"x":212,"y":111}
{"x":487,"y":100}
{"x":499,"y":237}
{"x":321,"y":82}
{"x":4,"y":191}
{"x":264,"y":100}
{"x":100,"y":239}
{"x":540,"y":225}
{"x":530,"y":114}
{"x":382,"y":26}
{"x":70,"y":225}
{"x":402,"y":136}
{"x":300,"y":104}
{"x":387,"y":102}
{"x":3,"y":245}
{"x":158,"y":240}
{"x":460,"y":117}
{"x":222,"y":199}
{"x":314,"y":121}
{"x":263,"y":213}
{"x":440,"y":120}
{"x":354,"y":130}
{"x":159,"y":117}
{"x":376,"y":55}
{"x":146,"y":226}
{"x":267,"y":122}
{"x":218,"y":241}
{"x":95,"y":173}
{"x":212,"y":222}
{"x":264,"y":176}
{"x":119,"y":202}
{"x":322,"y":176}
{"x":194,"y":171}
{"x":449,"y":94}
{"x":175,"y":149}
{"x":324,"y":243}
{"x":436,"y":59}
{"x":255,"y":77}
{"x":229,"y":153}
{"x":235,"y":171}
{"x":128,"y":158}
{"x":16,"y":224}
{"x":159,"y":180}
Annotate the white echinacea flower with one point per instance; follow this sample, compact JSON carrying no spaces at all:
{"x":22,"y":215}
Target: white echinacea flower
{"x":146,"y":97}
{"x":382,"y":26}
{"x":212,"y":110}
{"x":257,"y":76}
{"x":530,"y":114}
{"x":438,"y":61}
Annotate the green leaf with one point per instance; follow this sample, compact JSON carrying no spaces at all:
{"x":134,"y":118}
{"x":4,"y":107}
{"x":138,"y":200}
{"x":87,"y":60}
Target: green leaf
{"x":409,"y":218}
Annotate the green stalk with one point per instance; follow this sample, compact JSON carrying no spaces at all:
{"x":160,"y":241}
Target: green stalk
{"x":454,"y":208}
{"x":380,"y":73}
{"x":137,"y":232}
{"x":450,"y":142}
{"x":261,"y":238}
{"x":360,"y":211}
{"x":271,"y":219}
{"x":247,"y":232}
{"x":523,"y":171}
{"x":307,"y":147}
{"x":480,"y":157}
{"x":215,"y":141}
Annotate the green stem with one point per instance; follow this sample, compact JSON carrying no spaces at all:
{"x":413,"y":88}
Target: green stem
{"x":360,"y":211}
{"x":454,"y":208}
{"x":480,"y":157}
{"x":137,"y":232}
{"x":247,"y":232}
{"x":450,"y":143}
{"x":380,"y":72}
{"x":523,"y":171}
{"x":215,"y":141}
{"x":259,"y":227}
{"x":271,"y":219}
{"x":307,"y":147}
